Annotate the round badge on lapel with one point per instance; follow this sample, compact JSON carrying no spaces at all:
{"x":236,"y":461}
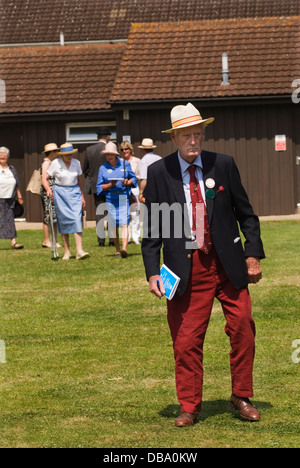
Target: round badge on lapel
{"x":210,"y":183}
{"x":210,"y":193}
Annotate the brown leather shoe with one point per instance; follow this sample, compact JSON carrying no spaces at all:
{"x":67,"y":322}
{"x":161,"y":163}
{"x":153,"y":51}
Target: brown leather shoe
{"x":185,"y":419}
{"x":245,"y":407}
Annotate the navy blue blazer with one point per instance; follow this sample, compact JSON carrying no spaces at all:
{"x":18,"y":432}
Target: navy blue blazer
{"x":227,"y":211}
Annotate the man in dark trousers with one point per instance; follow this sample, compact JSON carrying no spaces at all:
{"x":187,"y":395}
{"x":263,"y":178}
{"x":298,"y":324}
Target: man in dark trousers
{"x":202,"y":204}
{"x":92,"y":162}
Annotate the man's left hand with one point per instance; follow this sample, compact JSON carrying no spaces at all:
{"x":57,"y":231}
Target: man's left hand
{"x":254,"y":269}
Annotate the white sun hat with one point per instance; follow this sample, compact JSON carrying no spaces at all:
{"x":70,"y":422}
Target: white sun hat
{"x":110,"y":148}
{"x":186,"y":116}
{"x":147,"y":143}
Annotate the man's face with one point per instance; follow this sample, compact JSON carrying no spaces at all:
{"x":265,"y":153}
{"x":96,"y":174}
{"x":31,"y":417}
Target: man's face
{"x":189,"y":141}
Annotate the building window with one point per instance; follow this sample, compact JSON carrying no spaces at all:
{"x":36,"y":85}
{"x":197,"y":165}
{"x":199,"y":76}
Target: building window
{"x":86,"y":132}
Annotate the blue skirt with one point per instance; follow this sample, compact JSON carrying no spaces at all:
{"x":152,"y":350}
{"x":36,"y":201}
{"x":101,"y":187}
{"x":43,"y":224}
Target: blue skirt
{"x":68,"y":206}
{"x":118,"y":210}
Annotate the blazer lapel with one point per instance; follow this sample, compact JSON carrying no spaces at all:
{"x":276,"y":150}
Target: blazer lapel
{"x":208,"y":161}
{"x":173,"y":169}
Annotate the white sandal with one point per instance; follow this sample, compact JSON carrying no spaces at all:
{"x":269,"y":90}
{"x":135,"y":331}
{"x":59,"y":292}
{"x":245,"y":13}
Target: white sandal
{"x":67,"y":256}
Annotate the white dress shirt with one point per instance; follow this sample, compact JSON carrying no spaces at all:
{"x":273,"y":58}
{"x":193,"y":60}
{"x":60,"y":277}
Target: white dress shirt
{"x":184,"y":166}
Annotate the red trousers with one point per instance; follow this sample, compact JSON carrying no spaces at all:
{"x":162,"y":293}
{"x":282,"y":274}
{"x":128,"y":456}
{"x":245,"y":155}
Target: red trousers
{"x":188,"y":318}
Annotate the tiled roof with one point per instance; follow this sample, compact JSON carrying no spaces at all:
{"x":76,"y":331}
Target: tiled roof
{"x":166,"y":61}
{"x":31,"y":21}
{"x":49,"y":79}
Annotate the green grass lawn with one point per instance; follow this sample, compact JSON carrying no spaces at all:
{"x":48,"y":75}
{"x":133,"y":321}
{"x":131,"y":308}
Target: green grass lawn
{"x":89,"y":360}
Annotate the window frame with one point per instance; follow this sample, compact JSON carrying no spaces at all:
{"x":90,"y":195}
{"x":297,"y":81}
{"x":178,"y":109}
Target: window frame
{"x":71,"y":125}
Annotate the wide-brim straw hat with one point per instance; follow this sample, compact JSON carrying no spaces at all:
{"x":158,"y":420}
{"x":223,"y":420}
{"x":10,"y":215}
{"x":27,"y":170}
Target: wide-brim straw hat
{"x":67,"y":148}
{"x":50,"y":147}
{"x":110,"y":148}
{"x":186,"y":116}
{"x":147,"y":143}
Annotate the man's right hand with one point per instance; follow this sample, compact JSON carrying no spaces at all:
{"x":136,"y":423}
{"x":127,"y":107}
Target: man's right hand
{"x":156,"y":286}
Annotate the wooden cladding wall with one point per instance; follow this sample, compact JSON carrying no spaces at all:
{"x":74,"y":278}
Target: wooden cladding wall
{"x":248,"y":134}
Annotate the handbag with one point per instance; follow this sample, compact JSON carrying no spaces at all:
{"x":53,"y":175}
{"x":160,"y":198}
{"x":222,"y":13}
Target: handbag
{"x":132,"y":198}
{"x":34,"y":185}
{"x":18,"y":210}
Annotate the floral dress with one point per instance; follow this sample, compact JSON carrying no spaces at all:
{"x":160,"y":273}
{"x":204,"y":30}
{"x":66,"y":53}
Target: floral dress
{"x":7,"y":203}
{"x":44,"y":198}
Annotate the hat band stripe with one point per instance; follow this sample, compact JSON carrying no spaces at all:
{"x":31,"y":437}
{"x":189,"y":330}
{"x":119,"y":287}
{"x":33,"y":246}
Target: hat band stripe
{"x":67,"y":149}
{"x":193,"y":118}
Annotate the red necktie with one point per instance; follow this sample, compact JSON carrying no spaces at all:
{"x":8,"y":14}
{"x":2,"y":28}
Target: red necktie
{"x":200,"y":221}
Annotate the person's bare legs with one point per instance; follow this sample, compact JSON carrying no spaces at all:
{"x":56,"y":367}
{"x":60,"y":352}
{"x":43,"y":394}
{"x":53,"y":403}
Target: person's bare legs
{"x":125,"y":233}
{"x":65,"y":239}
{"x":115,"y":237}
{"x":80,"y":253}
{"x":47,"y":242}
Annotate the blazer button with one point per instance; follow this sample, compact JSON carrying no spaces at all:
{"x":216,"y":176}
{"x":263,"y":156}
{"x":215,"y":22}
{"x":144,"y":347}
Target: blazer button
{"x":189,"y":256}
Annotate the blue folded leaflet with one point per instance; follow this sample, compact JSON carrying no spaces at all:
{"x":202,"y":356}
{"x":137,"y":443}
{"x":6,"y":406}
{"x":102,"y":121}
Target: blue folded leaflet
{"x":170,"y":281}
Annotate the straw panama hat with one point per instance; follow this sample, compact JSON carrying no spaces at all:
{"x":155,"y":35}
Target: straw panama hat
{"x":147,"y":143}
{"x":67,"y":148}
{"x":110,"y":148}
{"x":186,"y":116}
{"x":50,"y":147}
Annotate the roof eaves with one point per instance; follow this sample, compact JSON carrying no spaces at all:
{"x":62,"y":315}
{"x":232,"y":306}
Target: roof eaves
{"x":67,"y":43}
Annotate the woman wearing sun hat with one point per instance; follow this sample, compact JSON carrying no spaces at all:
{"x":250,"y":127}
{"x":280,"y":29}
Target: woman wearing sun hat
{"x":115,"y":180}
{"x":68,"y":197}
{"x":126,"y":149}
{"x":50,"y":151}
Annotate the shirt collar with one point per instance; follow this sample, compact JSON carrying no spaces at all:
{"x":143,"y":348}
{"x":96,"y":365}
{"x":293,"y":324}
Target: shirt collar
{"x":184,"y":165}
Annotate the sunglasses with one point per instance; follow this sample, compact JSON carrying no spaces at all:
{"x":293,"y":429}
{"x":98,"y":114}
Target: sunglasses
{"x":125,"y":149}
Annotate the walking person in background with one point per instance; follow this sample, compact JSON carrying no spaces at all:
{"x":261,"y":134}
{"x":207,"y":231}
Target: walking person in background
{"x":115,"y":182}
{"x":94,"y":158}
{"x":9,"y":192}
{"x":126,"y":149}
{"x":50,"y":151}
{"x":149,"y":157}
{"x":208,"y":256}
{"x":68,"y":198}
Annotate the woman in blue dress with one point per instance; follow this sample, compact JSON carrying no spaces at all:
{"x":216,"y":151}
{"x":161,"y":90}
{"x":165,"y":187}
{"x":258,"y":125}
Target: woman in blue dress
{"x":115,"y":180}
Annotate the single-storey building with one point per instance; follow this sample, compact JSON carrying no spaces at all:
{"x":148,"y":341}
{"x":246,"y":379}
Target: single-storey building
{"x":129,"y":76}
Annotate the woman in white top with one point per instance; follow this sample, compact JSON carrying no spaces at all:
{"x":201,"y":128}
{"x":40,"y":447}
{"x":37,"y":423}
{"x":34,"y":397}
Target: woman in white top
{"x":9,"y":190}
{"x":68,"y":197}
{"x":126,"y":150}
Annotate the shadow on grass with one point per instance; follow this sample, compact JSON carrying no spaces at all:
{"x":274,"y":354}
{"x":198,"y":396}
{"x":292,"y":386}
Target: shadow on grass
{"x":211,"y":408}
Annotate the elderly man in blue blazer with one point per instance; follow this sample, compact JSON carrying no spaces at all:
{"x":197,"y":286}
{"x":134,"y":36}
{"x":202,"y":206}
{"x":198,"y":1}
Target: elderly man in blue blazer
{"x":195,"y":208}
